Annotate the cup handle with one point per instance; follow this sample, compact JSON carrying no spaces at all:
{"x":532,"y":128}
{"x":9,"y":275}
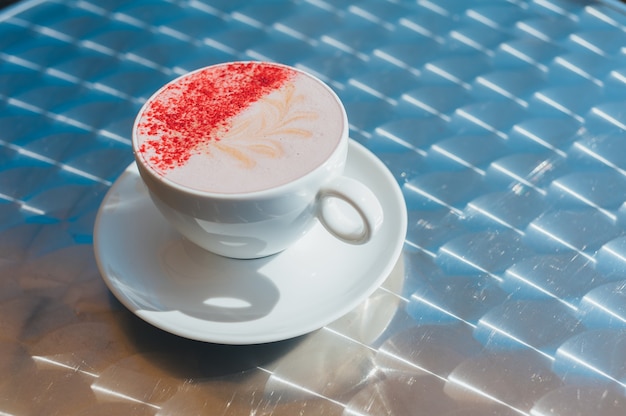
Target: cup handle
{"x":339,"y":221}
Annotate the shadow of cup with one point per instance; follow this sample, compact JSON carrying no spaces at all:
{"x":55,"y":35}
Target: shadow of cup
{"x":214,"y":291}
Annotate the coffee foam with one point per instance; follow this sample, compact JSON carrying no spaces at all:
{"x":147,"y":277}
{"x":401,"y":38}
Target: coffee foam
{"x":284,"y":134}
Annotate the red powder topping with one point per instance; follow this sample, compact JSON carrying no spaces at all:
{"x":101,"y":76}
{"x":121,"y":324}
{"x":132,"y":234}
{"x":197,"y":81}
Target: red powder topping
{"x":197,"y":108}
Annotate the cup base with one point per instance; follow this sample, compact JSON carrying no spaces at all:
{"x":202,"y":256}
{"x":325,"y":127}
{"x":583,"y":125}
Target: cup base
{"x":236,"y":241}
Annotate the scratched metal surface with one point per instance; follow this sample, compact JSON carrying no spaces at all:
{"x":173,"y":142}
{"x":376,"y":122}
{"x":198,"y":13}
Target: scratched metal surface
{"x":504,"y":123}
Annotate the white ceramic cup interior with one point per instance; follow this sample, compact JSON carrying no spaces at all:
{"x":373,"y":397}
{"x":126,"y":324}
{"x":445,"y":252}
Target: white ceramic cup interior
{"x":263,"y":222}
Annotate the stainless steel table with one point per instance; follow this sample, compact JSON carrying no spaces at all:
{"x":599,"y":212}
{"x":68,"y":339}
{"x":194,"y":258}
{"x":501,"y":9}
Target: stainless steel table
{"x":504,"y":124}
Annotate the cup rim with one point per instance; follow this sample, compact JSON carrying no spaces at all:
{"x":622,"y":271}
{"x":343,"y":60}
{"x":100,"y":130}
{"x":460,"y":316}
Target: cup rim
{"x":190,"y":191}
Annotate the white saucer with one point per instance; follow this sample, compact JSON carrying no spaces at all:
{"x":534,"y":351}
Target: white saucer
{"x":187,"y":291}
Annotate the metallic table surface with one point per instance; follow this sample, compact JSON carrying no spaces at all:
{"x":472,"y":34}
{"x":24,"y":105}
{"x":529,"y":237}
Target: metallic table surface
{"x":504,"y":124}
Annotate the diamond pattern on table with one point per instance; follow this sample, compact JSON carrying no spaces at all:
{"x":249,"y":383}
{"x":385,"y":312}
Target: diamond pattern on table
{"x":503,"y":122}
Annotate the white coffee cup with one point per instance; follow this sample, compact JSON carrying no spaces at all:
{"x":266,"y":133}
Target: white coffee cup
{"x":235,"y":221}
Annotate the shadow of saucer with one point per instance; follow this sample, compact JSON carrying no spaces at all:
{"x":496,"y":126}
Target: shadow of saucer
{"x":190,"y":359}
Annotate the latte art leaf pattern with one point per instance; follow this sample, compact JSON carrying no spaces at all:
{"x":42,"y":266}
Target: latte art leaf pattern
{"x":260,"y":136}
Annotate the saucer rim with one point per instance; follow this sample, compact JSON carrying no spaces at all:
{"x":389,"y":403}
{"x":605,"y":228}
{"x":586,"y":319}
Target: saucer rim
{"x":371,"y":161}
